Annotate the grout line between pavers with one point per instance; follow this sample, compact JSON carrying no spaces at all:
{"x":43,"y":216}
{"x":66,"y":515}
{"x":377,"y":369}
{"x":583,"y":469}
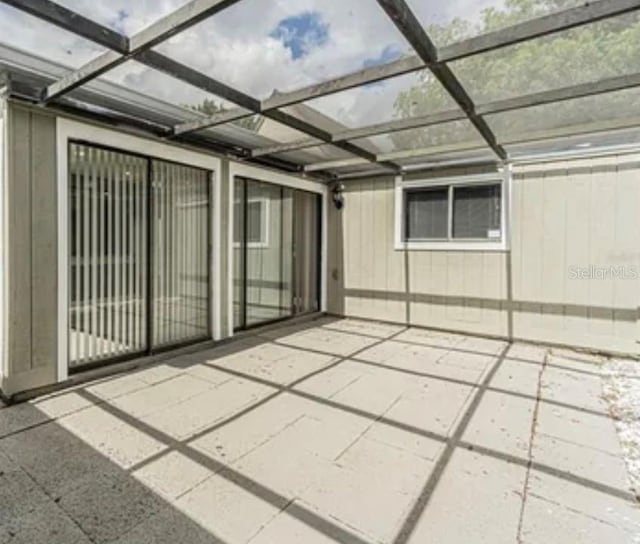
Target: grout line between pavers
{"x":367,"y":428}
{"x":534,"y":425}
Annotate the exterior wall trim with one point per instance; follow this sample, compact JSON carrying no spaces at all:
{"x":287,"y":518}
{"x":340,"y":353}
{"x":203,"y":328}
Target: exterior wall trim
{"x":4,"y":180}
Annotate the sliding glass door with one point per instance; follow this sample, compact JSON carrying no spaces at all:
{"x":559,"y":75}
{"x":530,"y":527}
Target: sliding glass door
{"x":139,"y":254}
{"x":276,"y":245}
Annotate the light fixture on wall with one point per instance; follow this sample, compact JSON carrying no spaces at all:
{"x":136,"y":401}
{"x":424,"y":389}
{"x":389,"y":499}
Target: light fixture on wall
{"x":338,"y":197}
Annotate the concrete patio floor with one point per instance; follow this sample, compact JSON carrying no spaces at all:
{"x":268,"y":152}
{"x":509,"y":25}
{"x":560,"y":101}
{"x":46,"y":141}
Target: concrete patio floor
{"x":331,"y":431}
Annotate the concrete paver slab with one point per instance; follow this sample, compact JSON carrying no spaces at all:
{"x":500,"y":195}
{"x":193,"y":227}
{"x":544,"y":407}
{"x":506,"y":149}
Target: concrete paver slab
{"x":55,"y":458}
{"x":157,"y":397}
{"x":109,"y":506}
{"x":545,"y":521}
{"x":328,"y":341}
{"x":357,"y":500}
{"x":194,"y":415}
{"x":44,"y":524}
{"x":502,"y":422}
{"x":477,"y":500}
{"x":17,"y":418}
{"x":590,"y":502}
{"x":517,"y":377}
{"x":576,"y":389}
{"x":108,"y":434}
{"x":588,"y":463}
{"x":366,"y":328}
{"x":168,"y":526}
{"x":580,"y":427}
{"x":237,"y":438}
{"x":430,"y":338}
{"x":287,"y":528}
{"x":172,"y":475}
{"x":434,"y":408}
{"x":227,"y":510}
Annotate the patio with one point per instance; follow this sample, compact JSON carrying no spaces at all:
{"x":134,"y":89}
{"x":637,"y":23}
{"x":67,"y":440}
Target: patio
{"x":330,"y":431}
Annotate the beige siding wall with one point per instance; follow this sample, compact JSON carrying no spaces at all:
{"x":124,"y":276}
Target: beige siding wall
{"x":565,"y":214}
{"x":31,"y":250}
{"x":570,"y":215}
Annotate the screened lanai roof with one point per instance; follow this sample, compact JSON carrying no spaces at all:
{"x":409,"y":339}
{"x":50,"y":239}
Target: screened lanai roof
{"x":339,"y":87}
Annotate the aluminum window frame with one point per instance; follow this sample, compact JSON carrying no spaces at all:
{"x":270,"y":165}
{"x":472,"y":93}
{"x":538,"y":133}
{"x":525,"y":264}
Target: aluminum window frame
{"x":503,"y":178}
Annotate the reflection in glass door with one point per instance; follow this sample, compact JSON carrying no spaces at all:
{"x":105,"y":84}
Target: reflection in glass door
{"x":138,"y":254}
{"x":276,"y":247}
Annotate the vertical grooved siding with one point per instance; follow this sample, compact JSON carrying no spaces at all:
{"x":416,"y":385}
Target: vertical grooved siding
{"x":32,"y":247}
{"x":572,"y":213}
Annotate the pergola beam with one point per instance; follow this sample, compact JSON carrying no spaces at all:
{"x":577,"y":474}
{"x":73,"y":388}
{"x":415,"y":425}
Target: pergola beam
{"x":220,"y":118}
{"x":283,"y":148}
{"x":195,"y":78}
{"x":181,"y":19}
{"x":590,"y":12}
{"x":402,"y":154}
{"x":571,"y":92}
{"x":388,"y":127}
{"x":355,"y":79}
{"x":405,"y":20}
{"x":73,"y":22}
{"x":499,"y":106}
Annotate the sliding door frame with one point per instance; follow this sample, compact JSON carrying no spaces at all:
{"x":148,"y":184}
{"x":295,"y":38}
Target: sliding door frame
{"x":240,"y":170}
{"x":122,"y":141}
{"x":244,"y":248}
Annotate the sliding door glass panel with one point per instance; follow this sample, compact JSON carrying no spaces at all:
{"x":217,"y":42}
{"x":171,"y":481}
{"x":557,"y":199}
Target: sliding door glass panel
{"x":276,"y":245}
{"x":306,"y":251}
{"x":107,"y":248}
{"x":180,"y":260}
{"x":262,"y":249}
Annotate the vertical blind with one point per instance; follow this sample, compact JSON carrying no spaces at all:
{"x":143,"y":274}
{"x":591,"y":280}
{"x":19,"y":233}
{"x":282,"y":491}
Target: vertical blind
{"x":137,"y":229}
{"x":476,"y":211}
{"x":180,"y":253}
{"x":427,"y":212}
{"x":108,"y":245}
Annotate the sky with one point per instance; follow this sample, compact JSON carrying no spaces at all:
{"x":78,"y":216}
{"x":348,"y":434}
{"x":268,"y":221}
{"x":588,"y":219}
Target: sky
{"x":257,"y":46}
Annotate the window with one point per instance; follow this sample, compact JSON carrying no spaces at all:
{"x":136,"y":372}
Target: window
{"x":465,"y":213}
{"x":257,"y":222}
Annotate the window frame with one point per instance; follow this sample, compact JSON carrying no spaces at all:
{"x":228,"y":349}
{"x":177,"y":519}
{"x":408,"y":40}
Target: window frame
{"x":264,"y":224}
{"x":503,"y":178}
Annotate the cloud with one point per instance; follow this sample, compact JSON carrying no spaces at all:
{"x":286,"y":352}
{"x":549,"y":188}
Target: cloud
{"x":301,"y":33}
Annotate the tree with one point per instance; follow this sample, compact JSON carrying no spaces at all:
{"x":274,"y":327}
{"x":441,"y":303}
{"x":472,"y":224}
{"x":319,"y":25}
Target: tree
{"x":211,"y":107}
{"x":585,"y":54}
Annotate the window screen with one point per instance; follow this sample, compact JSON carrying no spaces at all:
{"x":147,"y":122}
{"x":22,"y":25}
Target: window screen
{"x":476,"y":211}
{"x":426,"y":213}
